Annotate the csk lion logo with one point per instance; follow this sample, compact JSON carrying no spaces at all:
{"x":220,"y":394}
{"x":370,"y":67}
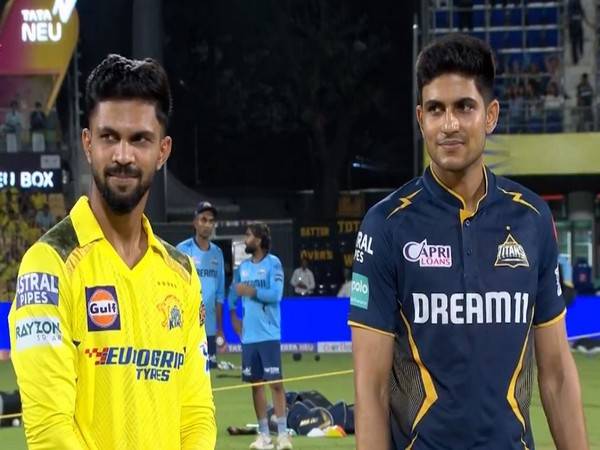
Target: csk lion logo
{"x":172,"y":312}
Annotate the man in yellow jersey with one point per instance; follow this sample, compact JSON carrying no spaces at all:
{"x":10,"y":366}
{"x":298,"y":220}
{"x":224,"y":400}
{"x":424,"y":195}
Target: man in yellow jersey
{"x":105,"y":329}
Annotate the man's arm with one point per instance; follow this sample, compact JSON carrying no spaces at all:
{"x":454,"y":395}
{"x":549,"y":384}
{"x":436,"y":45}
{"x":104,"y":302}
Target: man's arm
{"x":274,"y":292}
{"x":220,"y":296}
{"x":43,"y":351}
{"x":310,"y":284}
{"x":559,"y":387}
{"x":372,"y":352}
{"x":236,"y":323}
{"x":295,"y":278}
{"x":198,"y":426}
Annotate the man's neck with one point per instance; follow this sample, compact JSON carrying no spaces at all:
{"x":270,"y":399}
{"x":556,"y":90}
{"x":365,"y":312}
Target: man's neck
{"x":123,"y":231}
{"x":258,"y":255}
{"x":469,"y":184}
{"x":203,"y":243}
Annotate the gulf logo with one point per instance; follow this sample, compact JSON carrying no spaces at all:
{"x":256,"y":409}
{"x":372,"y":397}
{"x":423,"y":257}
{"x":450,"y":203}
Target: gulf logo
{"x":102,"y":308}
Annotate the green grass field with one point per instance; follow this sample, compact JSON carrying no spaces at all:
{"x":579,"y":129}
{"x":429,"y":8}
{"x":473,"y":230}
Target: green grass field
{"x":234,"y":406}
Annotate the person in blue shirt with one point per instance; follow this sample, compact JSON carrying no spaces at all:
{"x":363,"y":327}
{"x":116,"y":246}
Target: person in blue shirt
{"x":259,"y":282}
{"x":455,"y":287}
{"x":208,"y":259}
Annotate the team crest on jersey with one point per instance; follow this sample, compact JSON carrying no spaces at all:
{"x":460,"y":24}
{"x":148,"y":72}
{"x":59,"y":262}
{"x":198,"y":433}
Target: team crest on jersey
{"x":428,"y":255}
{"x":511,"y":254}
{"x":172,"y":313}
{"x":214,"y":263}
{"x":102,"y":308}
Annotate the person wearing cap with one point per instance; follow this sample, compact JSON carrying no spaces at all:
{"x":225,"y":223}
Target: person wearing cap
{"x":208,"y":259}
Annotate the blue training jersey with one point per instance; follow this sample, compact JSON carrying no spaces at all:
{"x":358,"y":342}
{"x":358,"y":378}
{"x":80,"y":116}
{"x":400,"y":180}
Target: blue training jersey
{"x":461,"y":293}
{"x":211,"y":270}
{"x":262,"y":314}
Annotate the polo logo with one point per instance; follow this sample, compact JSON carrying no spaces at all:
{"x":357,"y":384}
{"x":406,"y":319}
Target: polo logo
{"x":359,"y":294}
{"x":511,"y":254}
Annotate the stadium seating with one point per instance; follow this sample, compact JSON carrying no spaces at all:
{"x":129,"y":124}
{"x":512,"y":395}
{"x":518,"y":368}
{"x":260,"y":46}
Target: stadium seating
{"x":18,"y":230}
{"x":526,"y":38}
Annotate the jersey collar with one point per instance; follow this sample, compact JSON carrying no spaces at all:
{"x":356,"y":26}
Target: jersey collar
{"x":88,"y":229}
{"x":442,"y":192}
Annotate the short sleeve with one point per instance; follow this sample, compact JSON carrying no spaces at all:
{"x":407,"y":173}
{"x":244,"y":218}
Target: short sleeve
{"x":374,"y":293}
{"x":549,"y":304}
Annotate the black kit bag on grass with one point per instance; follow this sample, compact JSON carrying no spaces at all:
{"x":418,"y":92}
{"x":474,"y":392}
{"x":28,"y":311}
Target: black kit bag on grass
{"x":315,"y":418}
{"x":315,"y":397}
{"x":343,"y":415}
{"x":302,"y":419}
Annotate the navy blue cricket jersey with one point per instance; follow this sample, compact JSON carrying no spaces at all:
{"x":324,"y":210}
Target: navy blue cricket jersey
{"x":460,"y":292}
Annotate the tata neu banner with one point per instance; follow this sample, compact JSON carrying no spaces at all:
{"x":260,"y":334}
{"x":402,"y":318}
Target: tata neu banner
{"x":37,"y":37}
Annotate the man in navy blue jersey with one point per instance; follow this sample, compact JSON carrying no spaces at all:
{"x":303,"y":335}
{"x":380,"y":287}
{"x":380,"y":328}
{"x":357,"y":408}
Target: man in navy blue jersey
{"x":455,"y":286}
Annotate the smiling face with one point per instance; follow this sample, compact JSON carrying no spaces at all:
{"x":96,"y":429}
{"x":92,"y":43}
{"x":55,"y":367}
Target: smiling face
{"x":454,"y":121}
{"x":125,"y":147}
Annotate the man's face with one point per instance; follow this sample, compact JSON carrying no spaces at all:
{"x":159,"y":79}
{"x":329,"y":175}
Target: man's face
{"x":204,"y":223}
{"x":125,"y":147}
{"x":252,"y":242}
{"x":454,"y":121}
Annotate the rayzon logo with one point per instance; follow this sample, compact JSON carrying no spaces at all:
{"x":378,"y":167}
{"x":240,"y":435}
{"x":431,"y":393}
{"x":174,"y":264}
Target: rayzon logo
{"x":428,"y":255}
{"x":37,"y":331}
{"x":359,"y":294}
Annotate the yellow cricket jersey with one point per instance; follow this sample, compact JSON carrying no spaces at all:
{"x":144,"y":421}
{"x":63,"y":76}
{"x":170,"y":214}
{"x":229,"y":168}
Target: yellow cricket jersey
{"x":109,"y":357}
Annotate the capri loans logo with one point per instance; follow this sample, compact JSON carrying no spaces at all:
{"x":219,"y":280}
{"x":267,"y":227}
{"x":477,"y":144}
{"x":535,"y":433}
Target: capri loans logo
{"x":359,"y":295}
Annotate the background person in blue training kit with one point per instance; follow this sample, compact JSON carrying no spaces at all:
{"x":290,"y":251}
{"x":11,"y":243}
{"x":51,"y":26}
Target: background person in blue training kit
{"x":259,"y":281}
{"x":208,"y":259}
{"x":455,"y":286}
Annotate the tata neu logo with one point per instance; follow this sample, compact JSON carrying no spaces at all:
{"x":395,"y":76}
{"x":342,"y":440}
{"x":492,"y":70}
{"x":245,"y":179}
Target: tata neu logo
{"x":45,"y":25}
{"x":102,"y":308}
{"x":428,"y":255}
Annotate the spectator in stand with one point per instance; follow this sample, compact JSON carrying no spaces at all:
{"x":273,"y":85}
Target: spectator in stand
{"x":537,"y":77}
{"x":576,"y":16}
{"x":585,"y":101}
{"x":303,"y":280}
{"x":552,"y":63}
{"x":516,"y":109}
{"x":44,"y":218}
{"x":554,"y":105}
{"x":534,"y":107}
{"x":13,"y":124}
{"x":37,"y":125}
{"x":465,"y":14}
{"x":514,"y":72}
{"x":346,"y":288}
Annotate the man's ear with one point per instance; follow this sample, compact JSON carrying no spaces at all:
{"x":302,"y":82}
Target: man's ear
{"x":86,"y":143}
{"x":166,"y":144}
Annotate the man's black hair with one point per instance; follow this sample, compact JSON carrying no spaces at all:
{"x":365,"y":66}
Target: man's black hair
{"x":120,"y":78}
{"x":261,"y":230}
{"x":460,"y":54}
